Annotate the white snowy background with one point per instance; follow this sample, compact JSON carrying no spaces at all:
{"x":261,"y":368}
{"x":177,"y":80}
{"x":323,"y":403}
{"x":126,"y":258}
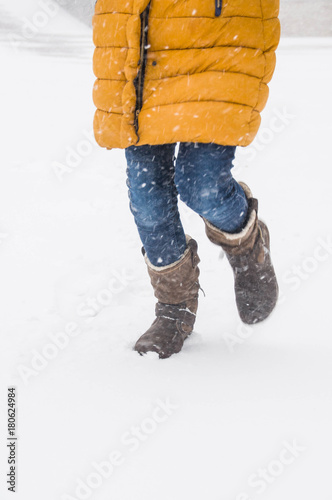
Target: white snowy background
{"x":242,"y":413}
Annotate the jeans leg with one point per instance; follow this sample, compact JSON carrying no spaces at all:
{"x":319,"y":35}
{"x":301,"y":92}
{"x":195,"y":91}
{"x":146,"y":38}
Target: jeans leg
{"x":153,"y":202}
{"x":204,"y":182}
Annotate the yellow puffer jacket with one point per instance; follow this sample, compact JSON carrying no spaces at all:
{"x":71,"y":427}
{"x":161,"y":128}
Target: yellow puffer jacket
{"x":182,"y":70}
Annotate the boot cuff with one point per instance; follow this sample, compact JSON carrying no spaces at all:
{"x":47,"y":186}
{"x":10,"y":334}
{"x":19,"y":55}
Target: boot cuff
{"x":173,"y":264}
{"x":232,"y":239}
{"x":237,"y":242}
{"x":246,"y":190}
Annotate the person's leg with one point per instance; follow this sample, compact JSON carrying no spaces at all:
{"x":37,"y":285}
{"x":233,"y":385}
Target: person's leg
{"x":171,"y":257}
{"x":205,"y":183}
{"x":229,"y":211}
{"x":153,"y":202}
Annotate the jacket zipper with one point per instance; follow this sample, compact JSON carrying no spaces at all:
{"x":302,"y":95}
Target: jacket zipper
{"x":139,"y":80}
{"x":218,"y":7}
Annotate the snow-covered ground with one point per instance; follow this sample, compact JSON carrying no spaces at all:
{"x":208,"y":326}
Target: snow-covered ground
{"x":242,"y":412}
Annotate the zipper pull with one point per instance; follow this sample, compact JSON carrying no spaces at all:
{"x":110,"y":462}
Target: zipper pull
{"x":218,"y":7}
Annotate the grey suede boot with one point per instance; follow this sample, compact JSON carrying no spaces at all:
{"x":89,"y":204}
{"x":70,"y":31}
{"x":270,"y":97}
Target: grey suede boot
{"x":248,"y":252}
{"x":176,"y":287}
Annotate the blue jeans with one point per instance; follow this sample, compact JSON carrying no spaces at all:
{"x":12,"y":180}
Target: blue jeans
{"x":201,"y":175}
